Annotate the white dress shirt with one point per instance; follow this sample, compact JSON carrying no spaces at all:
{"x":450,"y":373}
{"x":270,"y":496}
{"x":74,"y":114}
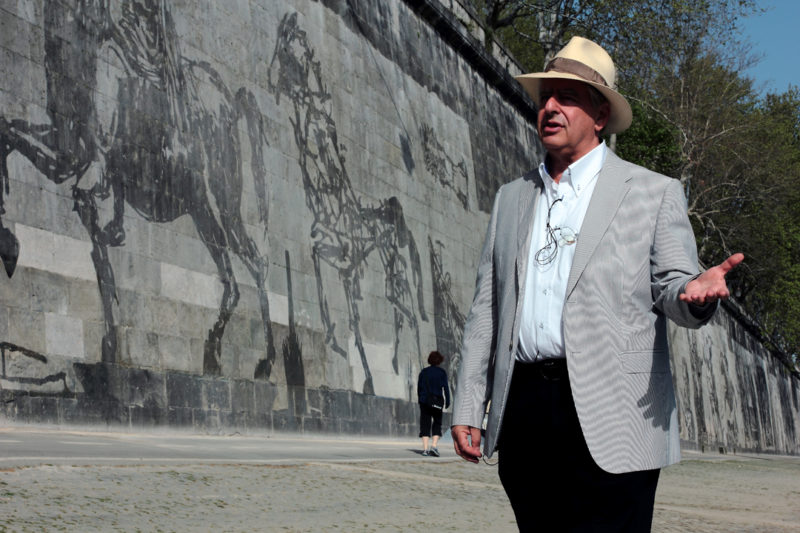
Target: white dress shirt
{"x":541,"y":332}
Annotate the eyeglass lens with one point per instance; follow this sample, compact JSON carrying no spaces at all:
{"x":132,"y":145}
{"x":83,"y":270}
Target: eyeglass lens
{"x":555,"y":237}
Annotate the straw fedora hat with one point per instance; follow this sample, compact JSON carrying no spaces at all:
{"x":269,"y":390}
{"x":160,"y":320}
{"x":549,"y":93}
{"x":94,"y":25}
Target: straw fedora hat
{"x":585,"y":61}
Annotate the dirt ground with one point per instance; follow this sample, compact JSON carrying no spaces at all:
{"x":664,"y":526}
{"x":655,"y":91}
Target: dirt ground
{"x":729,"y":493}
{"x":702,"y":494}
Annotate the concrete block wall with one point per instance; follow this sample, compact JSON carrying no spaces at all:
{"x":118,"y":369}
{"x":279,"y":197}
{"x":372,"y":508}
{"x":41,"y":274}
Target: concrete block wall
{"x":251,"y":216}
{"x":262,"y":215}
{"x":733,"y":395}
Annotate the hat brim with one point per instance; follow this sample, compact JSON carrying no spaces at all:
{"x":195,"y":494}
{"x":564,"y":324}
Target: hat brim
{"x":620,"y":116}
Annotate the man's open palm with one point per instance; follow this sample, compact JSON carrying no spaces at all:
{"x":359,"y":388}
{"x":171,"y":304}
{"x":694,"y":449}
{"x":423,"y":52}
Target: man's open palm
{"x":710,"y":286}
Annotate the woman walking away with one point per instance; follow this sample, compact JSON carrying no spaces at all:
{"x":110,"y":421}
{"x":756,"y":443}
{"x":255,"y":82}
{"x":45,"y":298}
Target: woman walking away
{"x":434,"y":396}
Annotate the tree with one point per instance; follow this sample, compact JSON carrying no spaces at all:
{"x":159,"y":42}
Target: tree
{"x":769,"y":233}
{"x":540,"y":23}
{"x":641,"y":34}
{"x":710,"y":110}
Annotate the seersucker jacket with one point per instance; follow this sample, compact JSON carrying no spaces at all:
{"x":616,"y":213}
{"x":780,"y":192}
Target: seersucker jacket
{"x":635,"y":254}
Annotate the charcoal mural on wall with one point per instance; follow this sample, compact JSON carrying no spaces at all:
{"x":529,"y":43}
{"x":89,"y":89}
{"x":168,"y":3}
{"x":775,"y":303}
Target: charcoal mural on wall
{"x":293,"y":353}
{"x":449,"y":174}
{"x":345,"y":231}
{"x":15,"y":372}
{"x":448,"y":319}
{"x":187,"y":162}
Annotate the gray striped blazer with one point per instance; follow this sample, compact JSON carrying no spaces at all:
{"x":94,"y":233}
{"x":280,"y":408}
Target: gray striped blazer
{"x":635,"y":254}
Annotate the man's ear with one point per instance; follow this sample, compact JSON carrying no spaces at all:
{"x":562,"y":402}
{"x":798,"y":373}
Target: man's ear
{"x":601,"y":118}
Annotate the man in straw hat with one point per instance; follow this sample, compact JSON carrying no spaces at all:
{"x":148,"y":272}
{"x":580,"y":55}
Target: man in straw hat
{"x":565,"y":345}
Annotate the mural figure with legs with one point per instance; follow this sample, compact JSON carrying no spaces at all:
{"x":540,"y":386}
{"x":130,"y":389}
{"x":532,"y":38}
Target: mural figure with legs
{"x":167,"y":145}
{"x":448,"y":319}
{"x":344,"y":230}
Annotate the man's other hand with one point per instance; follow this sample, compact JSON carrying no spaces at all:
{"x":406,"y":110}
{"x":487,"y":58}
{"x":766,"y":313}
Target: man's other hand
{"x":710,"y":286}
{"x":467,"y":442}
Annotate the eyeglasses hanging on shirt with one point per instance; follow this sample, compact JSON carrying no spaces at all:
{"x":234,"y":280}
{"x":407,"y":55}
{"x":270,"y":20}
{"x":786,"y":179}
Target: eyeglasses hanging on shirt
{"x":555,"y":237}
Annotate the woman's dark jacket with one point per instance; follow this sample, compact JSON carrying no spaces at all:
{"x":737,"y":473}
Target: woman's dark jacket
{"x":432,"y":381}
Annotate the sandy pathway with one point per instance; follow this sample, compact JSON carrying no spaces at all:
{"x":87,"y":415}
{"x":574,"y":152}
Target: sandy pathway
{"x":702,"y":494}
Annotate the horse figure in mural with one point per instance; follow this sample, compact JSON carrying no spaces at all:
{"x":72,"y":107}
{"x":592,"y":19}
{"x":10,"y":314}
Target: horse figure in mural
{"x":166,"y":145}
{"x":345,"y":232}
{"x":448,"y":173}
{"x":448,"y":319}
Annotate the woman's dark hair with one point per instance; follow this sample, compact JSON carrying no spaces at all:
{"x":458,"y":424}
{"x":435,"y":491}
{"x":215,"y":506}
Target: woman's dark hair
{"x":435,"y":358}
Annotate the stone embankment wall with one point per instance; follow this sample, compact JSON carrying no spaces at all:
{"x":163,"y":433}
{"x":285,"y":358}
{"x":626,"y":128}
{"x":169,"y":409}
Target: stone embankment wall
{"x":733,"y":394}
{"x":262,"y":215}
{"x":252,"y":216}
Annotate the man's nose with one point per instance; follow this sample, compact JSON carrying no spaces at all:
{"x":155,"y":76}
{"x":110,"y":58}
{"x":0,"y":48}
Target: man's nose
{"x":550,"y":104}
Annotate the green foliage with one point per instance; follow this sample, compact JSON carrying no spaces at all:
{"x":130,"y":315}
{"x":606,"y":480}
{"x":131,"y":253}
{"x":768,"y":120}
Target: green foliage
{"x":771,"y":235}
{"x":528,"y":53}
{"x":650,"y":141}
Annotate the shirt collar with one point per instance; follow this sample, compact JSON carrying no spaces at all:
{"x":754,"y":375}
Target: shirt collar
{"x":580,"y":173}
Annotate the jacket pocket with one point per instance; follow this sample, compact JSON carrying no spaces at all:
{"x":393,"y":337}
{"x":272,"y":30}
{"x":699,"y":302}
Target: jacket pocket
{"x":644,"y":362}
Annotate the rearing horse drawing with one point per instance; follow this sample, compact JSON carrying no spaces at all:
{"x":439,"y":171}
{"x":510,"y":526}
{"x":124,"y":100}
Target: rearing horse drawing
{"x":344,"y":230}
{"x":168,"y":146}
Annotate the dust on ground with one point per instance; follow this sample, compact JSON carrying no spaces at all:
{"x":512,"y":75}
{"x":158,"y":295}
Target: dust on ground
{"x":702,"y":494}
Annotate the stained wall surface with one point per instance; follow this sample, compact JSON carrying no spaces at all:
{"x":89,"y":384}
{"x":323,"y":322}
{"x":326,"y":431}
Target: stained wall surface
{"x":262,"y":215}
{"x":733,"y":394}
{"x":254,"y":214}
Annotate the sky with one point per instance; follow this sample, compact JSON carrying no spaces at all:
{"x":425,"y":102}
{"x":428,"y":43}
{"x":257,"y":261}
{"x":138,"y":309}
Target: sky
{"x":774,"y":35}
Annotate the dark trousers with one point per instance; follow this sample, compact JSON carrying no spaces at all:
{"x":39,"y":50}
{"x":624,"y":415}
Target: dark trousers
{"x":547,"y":471}
{"x":430,"y":421}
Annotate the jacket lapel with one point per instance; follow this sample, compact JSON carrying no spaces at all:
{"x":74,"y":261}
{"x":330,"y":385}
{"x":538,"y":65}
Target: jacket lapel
{"x":612,"y":186}
{"x":528,"y":198}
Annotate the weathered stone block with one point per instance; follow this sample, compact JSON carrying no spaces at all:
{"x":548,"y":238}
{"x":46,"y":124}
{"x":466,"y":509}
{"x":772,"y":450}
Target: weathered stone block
{"x":177,"y":353}
{"x":216,"y":394}
{"x":180,"y":417}
{"x":140,"y":348}
{"x":283,"y":421}
{"x":183,"y":390}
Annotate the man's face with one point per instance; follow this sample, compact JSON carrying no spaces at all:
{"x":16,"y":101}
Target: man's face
{"x":568,"y":122}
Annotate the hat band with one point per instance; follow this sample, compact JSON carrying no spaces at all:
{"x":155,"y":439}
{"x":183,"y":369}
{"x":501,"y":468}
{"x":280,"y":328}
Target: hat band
{"x":570,"y":66}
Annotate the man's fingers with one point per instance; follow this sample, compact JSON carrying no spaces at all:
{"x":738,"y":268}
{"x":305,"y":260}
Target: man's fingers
{"x":469,"y":451}
{"x":710,"y":285}
{"x":709,"y":295}
{"x":457,"y":432}
{"x":475,"y":434}
{"x":731,"y":262}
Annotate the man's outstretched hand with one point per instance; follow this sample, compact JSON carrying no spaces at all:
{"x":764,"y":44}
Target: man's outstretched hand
{"x":710,"y":286}
{"x":467,"y":442}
